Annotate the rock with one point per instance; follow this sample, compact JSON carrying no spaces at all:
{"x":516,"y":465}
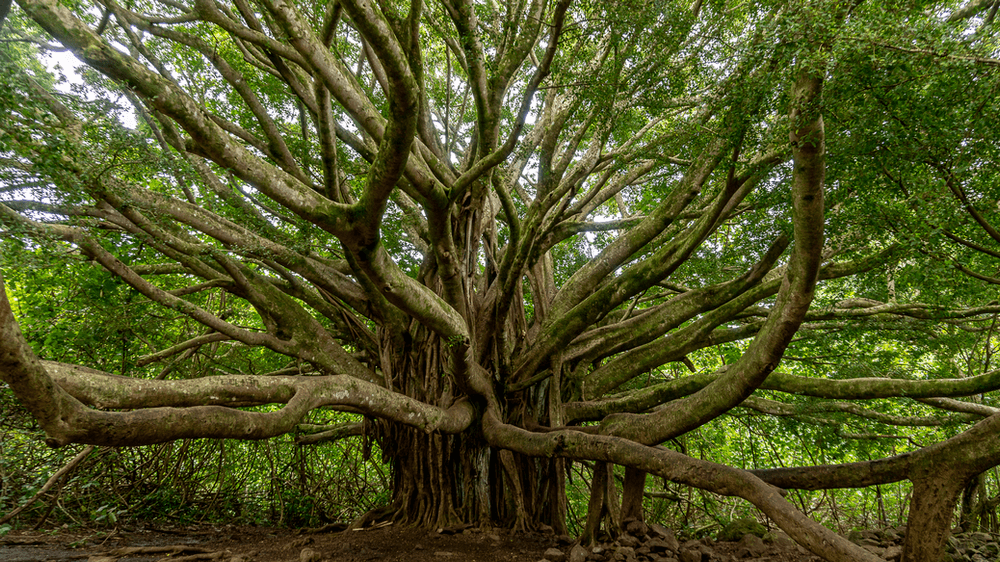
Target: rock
{"x":690,"y":555}
{"x":622,"y":554}
{"x":780,"y":539}
{"x":564,"y":540}
{"x":554,"y":555}
{"x":951,"y":545}
{"x":659,"y":530}
{"x":893,"y":553}
{"x":636,"y":528}
{"x":891,"y":535}
{"x":750,"y":546}
{"x":871,"y":535}
{"x":876,"y":550}
{"x":578,"y":554}
{"x":547,"y":529}
{"x":736,"y":528}
{"x":673,"y":544}
{"x":309,"y":555}
{"x":445,"y":554}
{"x":663,"y":545}
{"x":695,"y":551}
{"x":628,"y":540}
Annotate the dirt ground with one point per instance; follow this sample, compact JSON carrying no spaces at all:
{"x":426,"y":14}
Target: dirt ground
{"x":261,"y":544}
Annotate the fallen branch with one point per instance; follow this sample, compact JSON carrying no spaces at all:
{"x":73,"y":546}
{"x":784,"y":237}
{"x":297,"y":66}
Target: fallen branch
{"x":217,"y":555}
{"x":197,"y":553}
{"x":169,"y":549}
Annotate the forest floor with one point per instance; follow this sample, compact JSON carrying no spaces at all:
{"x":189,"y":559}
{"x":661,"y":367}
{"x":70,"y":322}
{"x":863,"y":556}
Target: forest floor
{"x":230,"y":543}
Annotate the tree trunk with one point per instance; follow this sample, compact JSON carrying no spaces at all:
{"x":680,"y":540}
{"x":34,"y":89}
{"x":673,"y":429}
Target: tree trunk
{"x":443,"y":480}
{"x":433,"y":477}
{"x":449,"y":480}
{"x":932,"y":507}
{"x":557,"y":496}
{"x":598,"y":503}
{"x":972,"y":500}
{"x":635,"y":485}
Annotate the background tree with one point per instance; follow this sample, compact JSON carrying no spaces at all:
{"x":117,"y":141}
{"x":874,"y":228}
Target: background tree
{"x":485,"y":227}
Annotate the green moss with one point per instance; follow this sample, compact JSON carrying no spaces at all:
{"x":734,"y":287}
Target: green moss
{"x":738,"y":528}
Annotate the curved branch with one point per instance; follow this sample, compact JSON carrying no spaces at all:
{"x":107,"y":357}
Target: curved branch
{"x":66,"y":419}
{"x":852,"y":389}
{"x":794,"y":297}
{"x":680,"y":468}
{"x":170,"y":100}
{"x":185,"y":345}
{"x":775,"y":408}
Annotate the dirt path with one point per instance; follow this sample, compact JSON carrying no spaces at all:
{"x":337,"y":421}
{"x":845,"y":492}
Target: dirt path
{"x":232,"y":543}
{"x":260,"y":544}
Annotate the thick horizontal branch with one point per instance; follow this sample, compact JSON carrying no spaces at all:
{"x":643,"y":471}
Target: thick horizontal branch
{"x":775,"y":408}
{"x":968,"y":453}
{"x":840,"y":389}
{"x":106,"y":391}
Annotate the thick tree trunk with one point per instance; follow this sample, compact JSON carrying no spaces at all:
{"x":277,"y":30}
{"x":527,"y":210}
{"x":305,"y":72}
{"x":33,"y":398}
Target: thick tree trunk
{"x":447,"y":480}
{"x":932,"y":507}
{"x":635,"y":485}
{"x":433,"y":477}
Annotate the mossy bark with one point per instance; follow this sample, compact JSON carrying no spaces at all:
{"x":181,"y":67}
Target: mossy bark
{"x":635,"y":484}
{"x":932,"y":507}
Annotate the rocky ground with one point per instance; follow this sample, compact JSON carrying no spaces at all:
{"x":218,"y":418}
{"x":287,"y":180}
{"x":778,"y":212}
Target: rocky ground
{"x":640,"y":543}
{"x":654,"y":543}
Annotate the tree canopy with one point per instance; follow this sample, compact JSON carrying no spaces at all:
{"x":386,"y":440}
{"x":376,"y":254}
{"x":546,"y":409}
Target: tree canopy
{"x":511,"y":234}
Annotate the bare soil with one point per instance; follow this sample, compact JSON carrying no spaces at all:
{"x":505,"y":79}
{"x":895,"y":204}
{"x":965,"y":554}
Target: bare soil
{"x":231,"y":543}
{"x":263,"y":544}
